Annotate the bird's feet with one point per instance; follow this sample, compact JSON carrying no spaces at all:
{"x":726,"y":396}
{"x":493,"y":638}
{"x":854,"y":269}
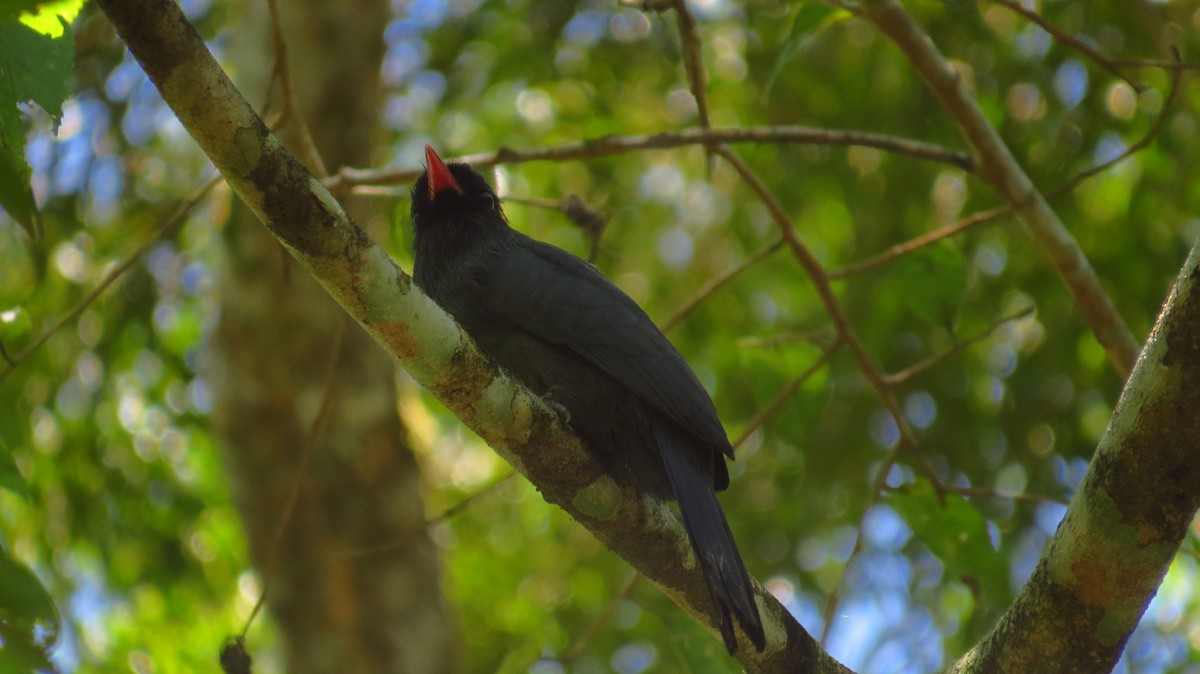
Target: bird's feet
{"x":564,"y":415}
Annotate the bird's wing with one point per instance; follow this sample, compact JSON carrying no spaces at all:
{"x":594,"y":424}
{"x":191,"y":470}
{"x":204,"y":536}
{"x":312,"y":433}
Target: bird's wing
{"x":562,"y":299}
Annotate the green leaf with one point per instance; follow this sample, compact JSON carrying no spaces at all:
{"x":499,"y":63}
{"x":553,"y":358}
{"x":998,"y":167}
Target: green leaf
{"x":14,"y":324}
{"x":933,"y":280}
{"x":812,"y":18}
{"x":521,"y":658}
{"x":15,"y":195}
{"x":21,"y":654}
{"x":10,"y":477}
{"x":23,"y":600}
{"x":33,"y":67}
{"x":957,"y":534}
{"x":53,"y":18}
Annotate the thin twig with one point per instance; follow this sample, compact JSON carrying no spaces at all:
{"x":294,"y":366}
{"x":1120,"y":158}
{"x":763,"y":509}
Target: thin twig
{"x":878,"y":485}
{"x":816,"y":272}
{"x":771,"y":409}
{"x":714,"y":284}
{"x":1142,"y":143}
{"x":999,"y":168}
{"x":585,"y":637}
{"x":604,"y":146}
{"x":693,"y":66}
{"x":986,"y":492}
{"x":1070,"y":41}
{"x":991,"y":214}
{"x":1156,"y":63}
{"x":590,"y":221}
{"x":904,"y":375}
{"x":775,"y":341}
{"x":916,"y":243}
{"x":170,"y":227}
{"x":447,"y":514}
{"x":306,"y":454}
{"x":291,"y":112}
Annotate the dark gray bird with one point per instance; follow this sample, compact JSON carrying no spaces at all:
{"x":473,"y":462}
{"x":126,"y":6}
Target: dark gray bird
{"x":560,"y":327}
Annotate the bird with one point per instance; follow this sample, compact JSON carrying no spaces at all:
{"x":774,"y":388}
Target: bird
{"x":561,"y":328}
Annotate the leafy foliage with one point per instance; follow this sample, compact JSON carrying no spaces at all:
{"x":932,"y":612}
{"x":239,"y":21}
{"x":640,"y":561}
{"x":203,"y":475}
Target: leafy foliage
{"x":36,"y":64}
{"x":114,"y":494}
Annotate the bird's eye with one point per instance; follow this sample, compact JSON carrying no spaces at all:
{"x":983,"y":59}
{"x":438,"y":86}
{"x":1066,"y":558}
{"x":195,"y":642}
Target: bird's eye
{"x":490,"y":200}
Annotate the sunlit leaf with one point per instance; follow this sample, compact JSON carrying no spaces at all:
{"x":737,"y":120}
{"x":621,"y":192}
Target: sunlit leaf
{"x":812,"y":18}
{"x":51,"y":17}
{"x":10,"y":477}
{"x":957,"y":533}
{"x":33,"y":67}
{"x":23,"y":600}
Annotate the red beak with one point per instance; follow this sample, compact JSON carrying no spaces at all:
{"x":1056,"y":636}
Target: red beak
{"x":440,"y":177}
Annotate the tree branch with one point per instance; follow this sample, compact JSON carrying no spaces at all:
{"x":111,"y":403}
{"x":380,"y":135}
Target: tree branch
{"x":380,"y":296}
{"x":996,"y":165}
{"x":604,"y":146}
{"x":1125,"y":523}
{"x":1070,"y":41}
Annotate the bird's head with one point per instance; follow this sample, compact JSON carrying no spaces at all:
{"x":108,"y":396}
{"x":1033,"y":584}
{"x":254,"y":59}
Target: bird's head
{"x":449,"y":194}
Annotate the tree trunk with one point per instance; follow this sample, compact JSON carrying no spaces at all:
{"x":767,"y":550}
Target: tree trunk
{"x":339,"y":608}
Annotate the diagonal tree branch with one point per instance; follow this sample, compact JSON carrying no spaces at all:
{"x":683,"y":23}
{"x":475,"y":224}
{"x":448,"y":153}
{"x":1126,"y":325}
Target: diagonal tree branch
{"x":1125,"y":523}
{"x":997,"y":166}
{"x":380,"y":296}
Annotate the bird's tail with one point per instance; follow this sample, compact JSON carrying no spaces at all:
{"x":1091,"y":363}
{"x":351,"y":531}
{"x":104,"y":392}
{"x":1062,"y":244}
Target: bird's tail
{"x":728,"y":583}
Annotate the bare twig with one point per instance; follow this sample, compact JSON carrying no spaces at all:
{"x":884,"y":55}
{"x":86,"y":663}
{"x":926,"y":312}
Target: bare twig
{"x":985,"y":492}
{"x":904,"y":375}
{"x":771,"y":409}
{"x":1070,"y":41}
{"x":693,"y":65}
{"x":1142,"y":143}
{"x":291,"y":112}
{"x":1156,"y":63}
{"x":717,"y":282}
{"x":998,"y":167}
{"x":447,"y":514}
{"x":916,"y":243}
{"x":585,"y":637}
{"x":878,"y":486}
{"x":588,"y":219}
{"x":991,"y":214}
{"x":604,"y":146}
{"x":775,"y":341}
{"x":169,"y":228}
{"x":816,"y":272}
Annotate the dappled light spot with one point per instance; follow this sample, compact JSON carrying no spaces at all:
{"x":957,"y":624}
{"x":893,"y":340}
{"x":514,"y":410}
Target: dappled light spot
{"x":1041,"y":440}
{"x":629,"y":25}
{"x":990,"y":257}
{"x":883,"y":429}
{"x":634,"y":658}
{"x":1121,"y":100}
{"x":920,"y":408}
{"x":1025,"y":102}
{"x":1071,"y":82}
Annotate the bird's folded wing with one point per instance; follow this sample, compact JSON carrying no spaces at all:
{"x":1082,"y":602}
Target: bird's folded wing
{"x":561,"y":299}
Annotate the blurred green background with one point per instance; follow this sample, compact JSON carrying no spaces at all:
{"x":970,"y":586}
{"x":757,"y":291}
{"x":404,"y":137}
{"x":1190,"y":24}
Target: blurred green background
{"x":118,"y":496}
